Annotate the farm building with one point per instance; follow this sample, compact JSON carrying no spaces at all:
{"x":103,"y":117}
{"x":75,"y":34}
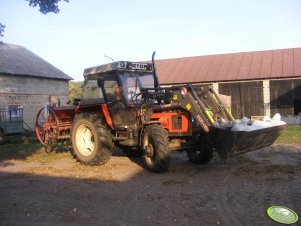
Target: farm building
{"x":258,"y":83}
{"x":26,"y":83}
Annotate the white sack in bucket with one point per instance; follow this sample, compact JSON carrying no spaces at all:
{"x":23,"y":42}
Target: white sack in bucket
{"x":244,"y":124}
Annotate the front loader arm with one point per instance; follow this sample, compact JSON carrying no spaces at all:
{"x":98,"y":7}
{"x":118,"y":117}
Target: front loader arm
{"x":197,"y":110}
{"x":206,"y":107}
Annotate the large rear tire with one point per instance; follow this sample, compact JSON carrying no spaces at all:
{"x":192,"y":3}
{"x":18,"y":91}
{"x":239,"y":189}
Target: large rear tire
{"x":91,"y":139}
{"x":155,"y":146}
{"x":201,"y":155}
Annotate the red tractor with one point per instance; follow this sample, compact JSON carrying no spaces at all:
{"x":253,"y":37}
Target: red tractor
{"x":123,"y":105}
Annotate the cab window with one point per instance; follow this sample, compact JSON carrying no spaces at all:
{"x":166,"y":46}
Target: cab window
{"x":91,"y":93}
{"x":111,"y":89}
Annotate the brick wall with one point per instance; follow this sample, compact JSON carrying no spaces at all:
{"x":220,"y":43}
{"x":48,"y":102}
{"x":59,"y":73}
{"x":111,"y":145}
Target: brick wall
{"x":32,"y":93}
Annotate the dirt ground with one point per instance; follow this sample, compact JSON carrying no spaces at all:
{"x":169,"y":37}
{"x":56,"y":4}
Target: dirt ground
{"x":57,"y":190}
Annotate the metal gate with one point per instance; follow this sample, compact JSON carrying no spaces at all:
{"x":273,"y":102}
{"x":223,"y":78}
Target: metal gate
{"x":11,"y":119}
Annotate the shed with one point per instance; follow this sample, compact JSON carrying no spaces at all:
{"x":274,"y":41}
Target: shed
{"x":259,"y":83}
{"x":26,"y":83}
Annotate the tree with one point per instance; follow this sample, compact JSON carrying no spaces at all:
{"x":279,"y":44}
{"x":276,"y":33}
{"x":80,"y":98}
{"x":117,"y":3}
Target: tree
{"x":46,"y":6}
{"x":75,"y":90}
{"x":2,"y":27}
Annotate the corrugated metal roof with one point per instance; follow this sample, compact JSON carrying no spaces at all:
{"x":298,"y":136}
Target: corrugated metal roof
{"x":270,"y":64}
{"x":17,"y":60}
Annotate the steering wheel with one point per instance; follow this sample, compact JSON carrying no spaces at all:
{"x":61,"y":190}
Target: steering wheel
{"x":135,"y":100}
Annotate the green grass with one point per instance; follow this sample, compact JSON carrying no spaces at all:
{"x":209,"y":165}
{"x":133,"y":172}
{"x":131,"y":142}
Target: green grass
{"x":290,"y":135}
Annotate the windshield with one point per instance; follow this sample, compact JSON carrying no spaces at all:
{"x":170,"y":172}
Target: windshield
{"x":132,"y":82}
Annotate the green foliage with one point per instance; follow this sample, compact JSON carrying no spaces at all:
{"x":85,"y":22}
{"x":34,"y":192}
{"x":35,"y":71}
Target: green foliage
{"x":46,"y":6}
{"x":75,"y":90}
{"x":290,"y":135}
{"x":2,"y":27}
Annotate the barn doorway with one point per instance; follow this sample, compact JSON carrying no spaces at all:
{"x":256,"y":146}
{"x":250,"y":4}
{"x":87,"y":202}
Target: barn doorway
{"x":297,"y":106}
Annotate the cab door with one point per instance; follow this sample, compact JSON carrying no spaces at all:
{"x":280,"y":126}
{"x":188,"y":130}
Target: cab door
{"x":115,"y":101}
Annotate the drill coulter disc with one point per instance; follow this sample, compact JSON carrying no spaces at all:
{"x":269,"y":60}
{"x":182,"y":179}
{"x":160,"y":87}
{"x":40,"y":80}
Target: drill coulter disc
{"x":46,"y":126}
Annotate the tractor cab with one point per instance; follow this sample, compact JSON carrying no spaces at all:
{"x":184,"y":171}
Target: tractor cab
{"x":118,"y":86}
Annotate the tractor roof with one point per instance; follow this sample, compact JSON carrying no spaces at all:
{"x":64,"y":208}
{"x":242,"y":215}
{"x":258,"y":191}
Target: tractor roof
{"x":120,"y":65}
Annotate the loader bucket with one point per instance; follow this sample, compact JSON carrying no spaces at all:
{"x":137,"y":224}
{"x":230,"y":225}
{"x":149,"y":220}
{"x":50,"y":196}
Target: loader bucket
{"x":230,"y":143}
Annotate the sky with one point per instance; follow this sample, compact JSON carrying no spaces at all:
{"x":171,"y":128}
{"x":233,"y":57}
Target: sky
{"x":86,"y":31}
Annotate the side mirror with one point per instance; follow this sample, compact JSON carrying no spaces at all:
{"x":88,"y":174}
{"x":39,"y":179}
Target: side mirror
{"x":100,"y":81}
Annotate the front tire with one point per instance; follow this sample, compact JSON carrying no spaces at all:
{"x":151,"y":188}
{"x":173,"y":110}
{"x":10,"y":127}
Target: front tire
{"x":155,"y":146}
{"x":201,"y":155}
{"x":91,"y":139}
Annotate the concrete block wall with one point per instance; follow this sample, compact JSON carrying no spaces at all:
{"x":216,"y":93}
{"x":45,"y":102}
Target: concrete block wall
{"x":31,"y":93}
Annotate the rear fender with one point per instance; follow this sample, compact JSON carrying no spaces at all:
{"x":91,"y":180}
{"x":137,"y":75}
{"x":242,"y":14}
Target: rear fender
{"x":106,"y":113}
